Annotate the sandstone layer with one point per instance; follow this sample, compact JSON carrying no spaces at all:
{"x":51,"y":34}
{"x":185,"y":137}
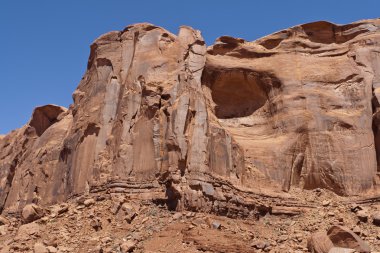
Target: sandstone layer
{"x":159,"y":116}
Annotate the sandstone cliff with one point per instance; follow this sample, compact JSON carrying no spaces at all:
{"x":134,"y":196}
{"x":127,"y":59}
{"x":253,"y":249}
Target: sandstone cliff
{"x":160,"y":116}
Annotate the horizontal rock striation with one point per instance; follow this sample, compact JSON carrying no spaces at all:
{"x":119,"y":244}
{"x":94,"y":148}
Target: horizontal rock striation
{"x":221,"y":129}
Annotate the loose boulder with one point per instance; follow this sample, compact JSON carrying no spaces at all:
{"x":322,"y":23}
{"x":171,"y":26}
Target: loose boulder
{"x":338,"y":239}
{"x":128,"y":246}
{"x":362,"y":215}
{"x":3,"y":221}
{"x":31,"y":212}
{"x":129,"y":211}
{"x":40,"y":248}
{"x":345,"y":238}
{"x":376,"y":219}
{"x":319,"y":243}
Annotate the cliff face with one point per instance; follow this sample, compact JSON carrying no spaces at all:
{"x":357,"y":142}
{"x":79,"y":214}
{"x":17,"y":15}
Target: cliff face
{"x":158,"y":116}
{"x":300,"y":103}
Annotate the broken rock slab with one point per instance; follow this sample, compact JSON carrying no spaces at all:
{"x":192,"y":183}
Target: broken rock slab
{"x":286,"y":210}
{"x":338,"y":239}
{"x":376,"y":218}
{"x":31,"y":213}
{"x":341,"y":250}
{"x":345,"y":238}
{"x":319,"y":243}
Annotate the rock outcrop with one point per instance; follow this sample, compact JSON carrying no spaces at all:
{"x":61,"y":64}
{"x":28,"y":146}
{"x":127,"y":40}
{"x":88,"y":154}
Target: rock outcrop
{"x":221,"y":129}
{"x":301,"y":102}
{"x":337,"y":238}
{"x":31,"y":212}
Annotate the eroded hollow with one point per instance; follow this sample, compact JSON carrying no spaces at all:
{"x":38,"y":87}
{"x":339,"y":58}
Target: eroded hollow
{"x":45,"y":116}
{"x":327,"y":33}
{"x":238,"y":92}
{"x":272,"y":41}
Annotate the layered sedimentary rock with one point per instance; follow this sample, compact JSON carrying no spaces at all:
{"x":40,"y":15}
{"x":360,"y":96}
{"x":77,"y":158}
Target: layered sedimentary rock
{"x":159,"y":116}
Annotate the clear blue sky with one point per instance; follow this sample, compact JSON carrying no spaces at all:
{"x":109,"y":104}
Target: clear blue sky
{"x":44,"y":45}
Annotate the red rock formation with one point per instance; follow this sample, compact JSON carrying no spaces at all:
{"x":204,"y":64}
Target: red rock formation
{"x":300,"y":103}
{"x":158,"y":116}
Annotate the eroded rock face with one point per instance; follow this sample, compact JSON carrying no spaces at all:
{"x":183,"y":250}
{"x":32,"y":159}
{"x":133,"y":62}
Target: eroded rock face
{"x":158,"y":116}
{"x":300,"y":103}
{"x":45,"y":116}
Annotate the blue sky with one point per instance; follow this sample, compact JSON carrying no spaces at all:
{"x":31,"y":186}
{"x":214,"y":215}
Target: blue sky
{"x":45,"y":44}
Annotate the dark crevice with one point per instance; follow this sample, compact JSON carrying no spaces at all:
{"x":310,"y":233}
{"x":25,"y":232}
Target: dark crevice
{"x":150,"y":27}
{"x":245,"y":53}
{"x":376,"y":127}
{"x":103,"y":62}
{"x":9,"y":180}
{"x":92,"y":57}
{"x":189,"y":117}
{"x":165,"y":96}
{"x":92,"y":129}
{"x":346,"y":79}
{"x":182,"y":166}
{"x":64,"y":154}
{"x":173,"y":197}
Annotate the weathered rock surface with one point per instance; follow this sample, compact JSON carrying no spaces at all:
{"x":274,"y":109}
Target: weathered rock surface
{"x":337,"y":239}
{"x":376,"y":218}
{"x":341,"y":250}
{"x":94,"y":228}
{"x":158,"y":116}
{"x":345,"y":238}
{"x":31,"y":212}
{"x":319,"y":243}
{"x":307,"y":103}
{"x":40,"y":248}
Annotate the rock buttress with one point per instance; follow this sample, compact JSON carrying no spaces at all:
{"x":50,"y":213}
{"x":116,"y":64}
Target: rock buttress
{"x":157,"y":116}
